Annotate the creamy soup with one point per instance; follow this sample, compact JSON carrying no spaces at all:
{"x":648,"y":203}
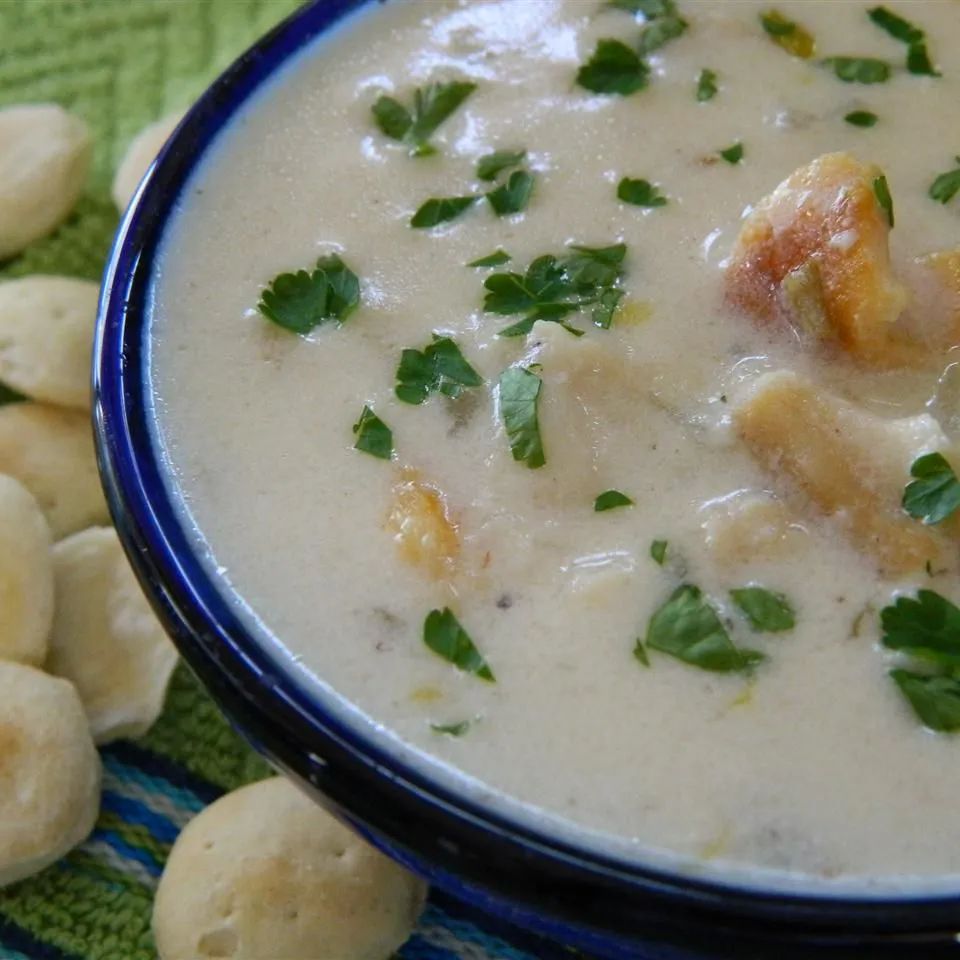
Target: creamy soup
{"x":612,"y":530}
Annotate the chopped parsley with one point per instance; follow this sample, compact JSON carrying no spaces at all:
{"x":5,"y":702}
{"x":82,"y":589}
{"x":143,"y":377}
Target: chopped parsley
{"x":640,"y":653}
{"x":766,"y":610}
{"x":489,"y":167}
{"x":552,"y":288}
{"x":927,"y":628}
{"x":935,"y":698}
{"x":439,"y":367}
{"x":496,"y":259}
{"x":440,"y":210}
{"x":451,"y":729}
{"x":431,"y":106}
{"x":859,"y":69}
{"x":613,"y":69}
{"x":934,"y":493}
{"x":301,"y":301}
{"x":519,"y":395}
{"x":881,"y":190}
{"x":658,"y":550}
{"x":512,"y":196}
{"x":706,"y":85}
{"x":946,"y":186}
{"x":688,"y":628}
{"x":640,"y":193}
{"x":660,"y":32}
{"x":896,"y":26}
{"x":648,"y":9}
{"x":861,"y":118}
{"x":373,"y":435}
{"x":733,"y":154}
{"x":443,"y":634}
{"x":610,"y":499}
{"x":788,"y":35}
{"x":9,"y":395}
{"x":918,"y":61}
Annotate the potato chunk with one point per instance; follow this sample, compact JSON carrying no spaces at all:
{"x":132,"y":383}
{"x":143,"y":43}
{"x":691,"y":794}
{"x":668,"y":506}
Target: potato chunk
{"x":421,"y":526}
{"x":815,"y":255}
{"x":852,"y":465}
{"x":933,"y":315}
{"x":750,"y":526}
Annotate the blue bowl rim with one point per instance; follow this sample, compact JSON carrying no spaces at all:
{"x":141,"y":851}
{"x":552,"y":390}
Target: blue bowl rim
{"x":184,"y":594}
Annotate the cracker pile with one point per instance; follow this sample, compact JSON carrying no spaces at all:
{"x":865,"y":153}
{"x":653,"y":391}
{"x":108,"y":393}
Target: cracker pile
{"x":262,"y":873}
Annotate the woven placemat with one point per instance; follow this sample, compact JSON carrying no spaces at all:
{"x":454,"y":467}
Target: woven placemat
{"x":121,"y":64}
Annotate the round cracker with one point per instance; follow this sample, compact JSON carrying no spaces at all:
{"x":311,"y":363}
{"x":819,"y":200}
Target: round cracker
{"x":26,"y":576}
{"x":50,"y":451}
{"x":140,"y":154}
{"x":265,"y":872}
{"x":46,"y":335}
{"x":49,"y":771}
{"x":44,"y":160}
{"x":106,"y":640}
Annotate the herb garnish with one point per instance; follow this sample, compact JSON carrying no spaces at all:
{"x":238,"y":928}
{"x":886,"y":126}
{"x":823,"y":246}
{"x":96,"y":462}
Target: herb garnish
{"x":489,"y":167}
{"x":934,"y":494}
{"x":443,"y":634}
{"x":519,"y":394}
{"x":640,"y":653}
{"x":610,"y":499}
{"x":439,"y":367}
{"x":613,"y":68}
{"x":766,"y":610}
{"x":687,"y":627}
{"x":373,"y":435}
{"x":918,"y":60}
{"x":440,"y":210}
{"x":301,"y":301}
{"x":733,"y":154}
{"x":9,"y":395}
{"x":648,"y":9}
{"x":946,"y":186}
{"x":861,"y":118}
{"x":431,"y":106}
{"x":706,"y":85}
{"x":641,"y":193}
{"x":496,"y":259}
{"x":553,"y":288}
{"x":512,"y":196}
{"x":859,"y":69}
{"x":451,"y":729}
{"x":927,"y":628}
{"x":788,"y":35}
{"x":661,"y":31}
{"x":881,"y":190}
{"x":658,"y":550}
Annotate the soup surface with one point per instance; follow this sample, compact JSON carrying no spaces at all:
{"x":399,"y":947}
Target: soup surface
{"x":707,"y":661}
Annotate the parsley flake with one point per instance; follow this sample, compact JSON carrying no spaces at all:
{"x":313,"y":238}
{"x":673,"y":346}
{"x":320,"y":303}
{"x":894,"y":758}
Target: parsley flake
{"x":788,"y":35}
{"x":489,"y":167}
{"x":859,"y":69}
{"x":660,"y":32}
{"x":9,"y":395}
{"x":440,"y":367}
{"x":881,"y":190}
{"x":512,"y":196}
{"x":440,"y":210}
{"x":610,"y":499}
{"x":861,"y":118}
{"x":706,"y":85}
{"x":946,"y":186}
{"x":301,"y":301}
{"x":431,"y":106}
{"x":640,"y":653}
{"x":519,"y":394}
{"x":935,"y":698}
{"x":688,"y":628}
{"x":733,"y":154}
{"x":451,"y":729}
{"x":927,"y":628}
{"x":496,"y":259}
{"x":934,"y":493}
{"x":613,"y":69}
{"x":918,"y":61}
{"x":443,"y":634}
{"x":640,"y":193}
{"x":373,"y":435}
{"x":896,"y":26}
{"x":658,"y":550}
{"x":766,"y":610}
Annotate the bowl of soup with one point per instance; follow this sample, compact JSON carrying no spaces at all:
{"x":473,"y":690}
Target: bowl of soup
{"x":534,"y":421}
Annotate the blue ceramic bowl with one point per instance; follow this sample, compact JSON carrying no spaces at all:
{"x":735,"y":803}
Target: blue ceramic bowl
{"x":520,"y":875}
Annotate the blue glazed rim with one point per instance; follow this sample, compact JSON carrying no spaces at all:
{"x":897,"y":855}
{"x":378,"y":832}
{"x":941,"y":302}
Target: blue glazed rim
{"x":596,"y":901}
